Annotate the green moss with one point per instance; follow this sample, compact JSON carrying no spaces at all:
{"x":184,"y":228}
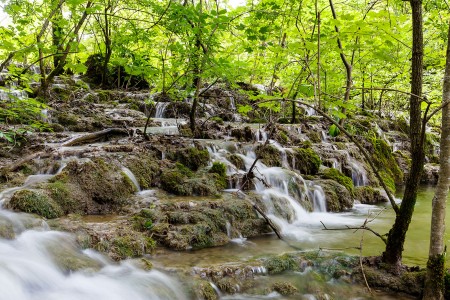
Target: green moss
{"x":269,"y":155}
{"x":237,"y":161}
{"x":306,"y":161}
{"x":67,"y":119}
{"x":145,"y":169}
{"x":217,"y":120}
{"x":205,"y":291}
{"x":35,"y":202}
{"x":385,"y":161}
{"x":60,"y":193}
{"x":192,"y":158}
{"x":143,"y":221}
{"x":126,"y":246}
{"x":220,"y":170}
{"x":314,"y":136}
{"x":368,"y":195}
{"x":336,"y":175}
{"x":172,"y":182}
{"x":279,"y":264}
{"x":284,"y":288}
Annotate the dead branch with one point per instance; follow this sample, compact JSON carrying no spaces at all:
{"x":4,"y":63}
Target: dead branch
{"x":95,"y":136}
{"x":363,"y":227}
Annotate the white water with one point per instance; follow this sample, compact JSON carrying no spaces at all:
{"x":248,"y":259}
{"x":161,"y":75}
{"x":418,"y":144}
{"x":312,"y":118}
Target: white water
{"x":161,"y":109}
{"x":30,"y":269}
{"x":131,"y":176}
{"x":33,"y":265}
{"x":283,"y":191}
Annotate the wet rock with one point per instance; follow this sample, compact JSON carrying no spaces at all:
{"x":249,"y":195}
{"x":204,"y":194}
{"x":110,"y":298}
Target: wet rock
{"x":269,"y":155}
{"x":338,"y":197}
{"x":305,"y":160}
{"x":196,"y":223}
{"x":430,"y":174}
{"x":242,"y":134}
{"x":92,"y":187}
{"x":369,"y":195}
{"x":34,"y":202}
{"x":336,"y":175}
{"x":284,"y":288}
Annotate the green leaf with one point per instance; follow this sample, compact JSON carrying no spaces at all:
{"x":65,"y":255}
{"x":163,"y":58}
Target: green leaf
{"x":334,"y":131}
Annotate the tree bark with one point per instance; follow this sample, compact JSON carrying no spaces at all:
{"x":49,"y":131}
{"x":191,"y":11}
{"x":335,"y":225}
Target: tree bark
{"x":347,"y":65}
{"x":434,"y":280}
{"x":396,"y":237}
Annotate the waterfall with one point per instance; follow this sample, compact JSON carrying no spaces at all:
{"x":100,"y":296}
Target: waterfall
{"x":161,"y":109}
{"x":359,"y":175}
{"x":33,"y":265}
{"x":131,"y":176}
{"x":317,"y":196}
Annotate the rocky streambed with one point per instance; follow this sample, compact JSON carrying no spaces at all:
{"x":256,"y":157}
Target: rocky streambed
{"x":138,"y":199}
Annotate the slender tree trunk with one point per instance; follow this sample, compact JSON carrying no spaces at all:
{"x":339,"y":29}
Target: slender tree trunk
{"x":108,"y":50}
{"x":197,"y":74}
{"x":57,"y":33}
{"x":347,"y":65}
{"x":319,"y":103}
{"x":396,"y":237}
{"x":434,"y":281}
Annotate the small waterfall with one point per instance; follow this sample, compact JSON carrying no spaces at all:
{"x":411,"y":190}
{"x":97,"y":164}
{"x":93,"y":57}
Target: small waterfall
{"x":323,"y":136}
{"x":216,"y":289}
{"x":282,"y":150}
{"x":161,"y":109}
{"x":317,"y":196}
{"x":359,"y":175}
{"x":261,"y":135}
{"x":131,"y":176}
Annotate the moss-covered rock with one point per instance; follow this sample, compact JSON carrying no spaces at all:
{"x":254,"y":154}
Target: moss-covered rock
{"x":203,"y":223}
{"x":284,"y":288}
{"x":237,"y":161}
{"x":192,"y":157}
{"x":285,"y":262}
{"x":306,"y":161}
{"x":368,"y":195}
{"x":385,"y":161}
{"x":242,"y":134}
{"x":338,"y":197}
{"x":336,"y":175}
{"x":219,"y":172}
{"x":92,"y":187}
{"x":204,"y":290}
{"x":145,"y":168}
{"x":269,"y":155}
{"x":35,"y":202}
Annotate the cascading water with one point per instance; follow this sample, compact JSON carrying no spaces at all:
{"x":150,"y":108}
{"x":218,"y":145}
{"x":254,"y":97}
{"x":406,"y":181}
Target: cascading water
{"x":161,"y":109}
{"x":38,"y":263}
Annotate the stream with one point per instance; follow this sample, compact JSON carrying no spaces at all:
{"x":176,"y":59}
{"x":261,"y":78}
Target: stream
{"x":39,"y":263}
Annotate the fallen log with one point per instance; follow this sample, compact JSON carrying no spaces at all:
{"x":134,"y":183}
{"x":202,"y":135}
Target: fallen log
{"x":95,"y":136}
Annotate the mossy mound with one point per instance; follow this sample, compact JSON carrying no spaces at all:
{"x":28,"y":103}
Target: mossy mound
{"x":284,"y":288}
{"x":385,"y":161}
{"x":269,"y":155}
{"x":198,"y":224}
{"x":35,"y":202}
{"x":242,"y":134}
{"x":368,"y":195}
{"x":92,"y":187}
{"x":192,"y":157}
{"x":180,"y":180}
{"x":145,"y":168}
{"x":306,"y":161}
{"x":237,"y":161}
{"x":336,"y":175}
{"x":338,"y":197}
{"x":284,"y":262}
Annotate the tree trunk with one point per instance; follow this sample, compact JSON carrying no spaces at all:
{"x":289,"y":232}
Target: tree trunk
{"x":57,"y":34}
{"x":396,"y":238}
{"x":434,"y":281}
{"x":347,"y":65}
